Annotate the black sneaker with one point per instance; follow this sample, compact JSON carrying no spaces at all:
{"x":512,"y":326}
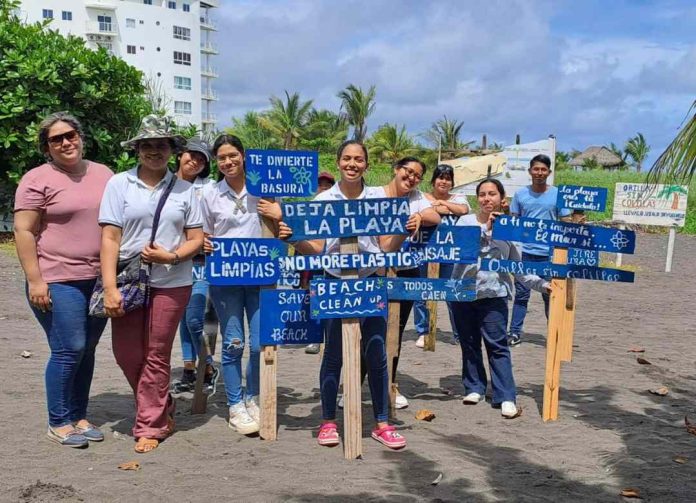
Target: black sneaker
{"x":211,"y":381}
{"x":514,"y":340}
{"x":186,"y":383}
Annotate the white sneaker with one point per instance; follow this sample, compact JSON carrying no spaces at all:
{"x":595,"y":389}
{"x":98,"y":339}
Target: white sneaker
{"x":472,"y":399}
{"x":420,"y":343}
{"x":253,"y":410}
{"x":400,"y":401}
{"x":508,"y":409}
{"x":339,"y":404}
{"x":241,"y":421}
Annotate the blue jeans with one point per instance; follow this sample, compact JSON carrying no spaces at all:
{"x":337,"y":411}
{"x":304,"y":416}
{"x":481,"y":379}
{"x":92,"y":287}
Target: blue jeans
{"x":230,"y":304}
{"x":519,"y":307}
{"x":487,"y":319}
{"x":421,"y":316}
{"x":374,"y":353}
{"x":73,"y":336}
{"x":191,"y":326}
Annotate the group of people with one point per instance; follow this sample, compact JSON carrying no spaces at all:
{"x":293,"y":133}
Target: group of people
{"x":75,"y":221}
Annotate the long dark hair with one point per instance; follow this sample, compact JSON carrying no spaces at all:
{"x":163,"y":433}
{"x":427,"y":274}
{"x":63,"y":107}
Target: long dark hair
{"x":228,"y":139}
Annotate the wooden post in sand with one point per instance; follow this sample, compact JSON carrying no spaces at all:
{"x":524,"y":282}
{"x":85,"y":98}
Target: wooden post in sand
{"x":433,"y":272}
{"x":268,"y":384}
{"x":393,"y":320}
{"x":200,"y":398}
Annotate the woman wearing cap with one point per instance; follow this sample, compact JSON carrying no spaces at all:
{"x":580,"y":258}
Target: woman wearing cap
{"x":142,"y":338}
{"x":194,"y":167}
{"x":57,"y":239}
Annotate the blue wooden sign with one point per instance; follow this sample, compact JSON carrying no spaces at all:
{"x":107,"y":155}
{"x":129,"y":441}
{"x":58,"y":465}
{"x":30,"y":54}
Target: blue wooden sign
{"x":450,"y":290}
{"x":459,"y":244}
{"x":346,"y":218}
{"x":549,"y":270}
{"x":238,"y":261}
{"x":286,"y":319}
{"x":198,"y":272}
{"x":348,"y":298}
{"x":350,"y":261}
{"x":276,"y":173}
{"x":583,"y":257}
{"x":578,"y":197}
{"x":563,"y":234}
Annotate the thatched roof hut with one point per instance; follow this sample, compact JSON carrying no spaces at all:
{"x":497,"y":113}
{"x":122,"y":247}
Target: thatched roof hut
{"x":602,"y":155}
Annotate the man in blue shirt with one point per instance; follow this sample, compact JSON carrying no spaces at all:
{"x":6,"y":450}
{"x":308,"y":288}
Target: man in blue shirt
{"x":537,"y":200}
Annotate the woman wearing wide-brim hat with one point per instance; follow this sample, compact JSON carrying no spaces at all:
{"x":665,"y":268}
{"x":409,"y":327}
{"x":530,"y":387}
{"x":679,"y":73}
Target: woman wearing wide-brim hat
{"x":142,"y":338}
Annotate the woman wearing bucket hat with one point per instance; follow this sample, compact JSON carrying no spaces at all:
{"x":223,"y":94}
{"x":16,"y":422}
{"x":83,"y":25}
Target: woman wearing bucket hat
{"x":142,"y":338}
{"x":194,"y":167}
{"x":57,"y":237}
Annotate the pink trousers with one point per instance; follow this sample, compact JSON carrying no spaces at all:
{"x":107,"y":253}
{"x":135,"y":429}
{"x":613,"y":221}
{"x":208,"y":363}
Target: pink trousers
{"x":142,"y":343}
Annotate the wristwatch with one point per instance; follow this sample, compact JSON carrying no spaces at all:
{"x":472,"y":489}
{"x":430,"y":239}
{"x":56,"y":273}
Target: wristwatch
{"x":177,"y":259}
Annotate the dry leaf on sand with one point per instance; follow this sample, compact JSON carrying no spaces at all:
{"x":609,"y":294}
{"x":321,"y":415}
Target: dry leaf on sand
{"x":680,"y":459}
{"x":437,"y":480}
{"x":630,"y":492}
{"x":130,"y":465}
{"x":636,"y":350}
{"x":690,"y":427}
{"x":643,"y":361}
{"x":661,"y":391}
{"x":425,"y":415}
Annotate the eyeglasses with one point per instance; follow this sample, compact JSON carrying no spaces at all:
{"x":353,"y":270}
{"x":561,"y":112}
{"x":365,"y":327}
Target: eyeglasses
{"x":412,"y":174}
{"x":71,"y":136}
{"x":231,"y":157}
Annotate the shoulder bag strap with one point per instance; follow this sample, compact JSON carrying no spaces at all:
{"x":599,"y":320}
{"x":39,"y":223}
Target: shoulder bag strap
{"x":160,"y":205}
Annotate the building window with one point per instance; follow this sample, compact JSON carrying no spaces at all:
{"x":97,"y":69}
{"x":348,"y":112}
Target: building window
{"x":182,"y":83}
{"x":104,"y":23}
{"x":67,"y":15}
{"x":182,"y":58}
{"x":47,"y":13}
{"x":130,"y":22}
{"x":130,"y":49}
{"x":182,"y":107}
{"x":147,"y":2}
{"x":182,"y":33}
{"x":187,"y":8}
{"x":171,"y":5}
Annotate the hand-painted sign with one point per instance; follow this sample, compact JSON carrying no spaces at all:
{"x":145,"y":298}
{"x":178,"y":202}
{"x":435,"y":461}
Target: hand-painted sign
{"x":563,"y":234}
{"x":275,"y":173}
{"x":198,"y":272}
{"x":583,"y":257}
{"x":447,"y":244}
{"x":350,"y":261}
{"x":450,"y":290}
{"x":286,"y":319}
{"x":348,"y":298}
{"x":549,"y":270}
{"x":237,"y":261}
{"x":346,"y":218}
{"x":640,"y":203}
{"x":577,"y":197}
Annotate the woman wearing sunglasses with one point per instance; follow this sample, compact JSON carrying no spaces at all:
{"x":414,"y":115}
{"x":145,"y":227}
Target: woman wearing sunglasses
{"x":58,"y":238}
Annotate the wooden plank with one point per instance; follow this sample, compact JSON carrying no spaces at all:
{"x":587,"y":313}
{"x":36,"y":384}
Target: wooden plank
{"x":352,"y":403}
{"x":268,"y":370}
{"x":392,"y":345}
{"x":569,"y":320}
{"x":200,"y":398}
{"x":433,"y":272}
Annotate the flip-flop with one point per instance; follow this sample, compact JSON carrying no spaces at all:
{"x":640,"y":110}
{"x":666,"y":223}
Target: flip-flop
{"x":145,"y":445}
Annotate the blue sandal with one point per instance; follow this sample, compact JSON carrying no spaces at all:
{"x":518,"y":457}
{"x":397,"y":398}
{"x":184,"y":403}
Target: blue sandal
{"x":71,"y":439}
{"x":91,"y":433}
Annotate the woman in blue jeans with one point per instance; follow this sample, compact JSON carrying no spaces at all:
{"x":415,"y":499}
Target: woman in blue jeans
{"x":486,"y":317}
{"x":58,"y":241}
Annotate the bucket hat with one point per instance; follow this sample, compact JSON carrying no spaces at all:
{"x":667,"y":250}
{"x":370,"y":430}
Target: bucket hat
{"x":155,"y":127}
{"x":195,"y":144}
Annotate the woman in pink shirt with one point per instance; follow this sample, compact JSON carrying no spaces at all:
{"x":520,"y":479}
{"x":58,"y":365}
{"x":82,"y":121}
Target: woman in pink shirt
{"x":58,"y":240}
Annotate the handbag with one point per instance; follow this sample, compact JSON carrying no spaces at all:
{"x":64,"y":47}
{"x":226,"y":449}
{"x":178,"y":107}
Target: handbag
{"x":132,"y":275}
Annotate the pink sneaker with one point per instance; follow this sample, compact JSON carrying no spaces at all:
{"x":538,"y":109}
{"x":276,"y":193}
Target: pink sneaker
{"x":328,"y":435}
{"x":389,"y":437}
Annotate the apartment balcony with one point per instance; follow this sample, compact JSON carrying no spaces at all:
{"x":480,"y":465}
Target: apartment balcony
{"x":101,"y":28}
{"x":207,"y":24}
{"x":101,"y":4}
{"x":209,"y":95}
{"x":210,"y":72}
{"x":208,"y":118}
{"x":210,"y":3}
{"x":209,"y":48}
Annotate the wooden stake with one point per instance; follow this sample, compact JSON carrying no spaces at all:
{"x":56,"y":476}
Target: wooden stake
{"x":268,"y":370}
{"x":393,"y":319}
{"x":200,"y":399}
{"x":433,"y":272}
{"x":569,"y":320}
{"x":352,"y":411}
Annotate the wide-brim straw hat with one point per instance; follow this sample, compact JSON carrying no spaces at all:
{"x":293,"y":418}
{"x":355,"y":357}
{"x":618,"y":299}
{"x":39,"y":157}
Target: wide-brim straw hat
{"x":156,"y":127}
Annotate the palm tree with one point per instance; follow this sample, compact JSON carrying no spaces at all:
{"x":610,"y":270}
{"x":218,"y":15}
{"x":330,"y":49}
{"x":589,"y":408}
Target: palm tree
{"x":637,"y":149}
{"x":678,"y":161}
{"x":621,"y":154}
{"x":389,"y":143}
{"x":286,"y":120}
{"x":358,"y":106}
{"x":325,"y":131}
{"x":250,"y":130}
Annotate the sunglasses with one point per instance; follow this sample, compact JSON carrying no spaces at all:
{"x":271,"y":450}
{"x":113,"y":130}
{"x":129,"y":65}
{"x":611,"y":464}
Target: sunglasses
{"x":71,"y":136}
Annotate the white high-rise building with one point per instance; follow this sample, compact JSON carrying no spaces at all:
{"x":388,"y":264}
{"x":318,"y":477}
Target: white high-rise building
{"x":168,"y":40}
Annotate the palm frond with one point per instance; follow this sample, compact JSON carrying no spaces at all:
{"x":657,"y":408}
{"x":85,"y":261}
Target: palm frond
{"x":677,"y":164}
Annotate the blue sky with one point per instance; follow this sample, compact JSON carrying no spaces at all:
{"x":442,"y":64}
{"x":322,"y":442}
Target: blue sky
{"x":589,"y":71}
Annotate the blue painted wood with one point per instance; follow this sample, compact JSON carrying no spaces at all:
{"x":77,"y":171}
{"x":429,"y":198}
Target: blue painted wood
{"x":347,"y":298}
{"x":350,"y":218}
{"x":350,"y":261}
{"x":450,"y":290}
{"x":549,"y":270}
{"x":460,"y":244}
{"x":583,"y":257}
{"x":579,"y":197}
{"x":276,"y":173}
{"x":237,"y":261}
{"x":198,"y":272}
{"x":286,"y":319}
{"x":563,"y":234}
